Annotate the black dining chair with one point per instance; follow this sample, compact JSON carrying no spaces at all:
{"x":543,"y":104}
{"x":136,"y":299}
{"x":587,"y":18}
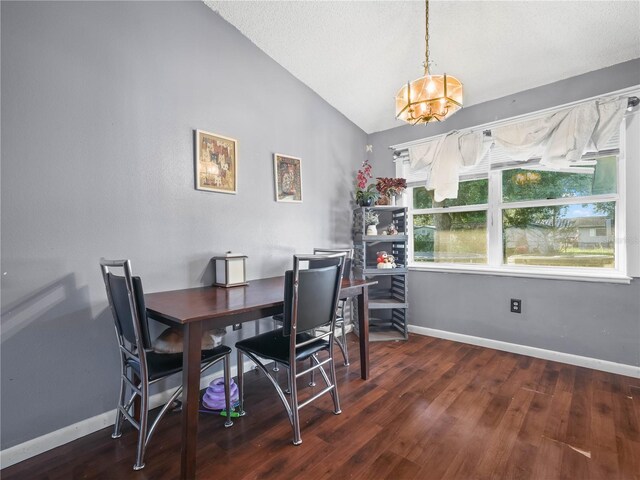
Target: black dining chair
{"x":310,"y":301}
{"x":342,"y":303}
{"x":141,"y":366}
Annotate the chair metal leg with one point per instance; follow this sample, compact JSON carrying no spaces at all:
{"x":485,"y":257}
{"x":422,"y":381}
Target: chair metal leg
{"x":142,"y":432}
{"x":227,"y":389}
{"x":312,"y":374}
{"x":169,"y":405}
{"x":261,"y":367}
{"x":275,"y":364}
{"x":334,"y":391}
{"x":288,"y":389}
{"x":342,"y":344}
{"x":117,"y":426}
{"x":345,"y":345}
{"x":240,"y":384}
{"x":295,"y":411}
{"x":341,"y":322}
{"x":292,"y":406}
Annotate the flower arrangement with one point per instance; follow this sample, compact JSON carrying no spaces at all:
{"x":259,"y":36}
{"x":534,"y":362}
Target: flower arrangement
{"x":365,"y":195}
{"x":390,"y":187}
{"x":364,"y":174}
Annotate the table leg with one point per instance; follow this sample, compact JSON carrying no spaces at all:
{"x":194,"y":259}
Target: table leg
{"x":190,"y":397}
{"x":363,"y":329}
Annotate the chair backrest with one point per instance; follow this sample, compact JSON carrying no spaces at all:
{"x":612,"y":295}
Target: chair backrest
{"x":311,"y":296}
{"x":126,"y":299}
{"x":347,"y":271}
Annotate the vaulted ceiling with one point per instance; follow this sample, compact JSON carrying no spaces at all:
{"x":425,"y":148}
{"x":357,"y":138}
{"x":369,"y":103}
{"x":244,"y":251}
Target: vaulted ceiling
{"x":356,"y":54}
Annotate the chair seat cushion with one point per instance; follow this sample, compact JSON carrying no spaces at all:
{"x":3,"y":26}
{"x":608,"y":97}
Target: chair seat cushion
{"x":164,"y":364}
{"x":274,"y":346}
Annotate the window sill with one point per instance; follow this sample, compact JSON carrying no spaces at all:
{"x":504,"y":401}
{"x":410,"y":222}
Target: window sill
{"x":582,"y":275}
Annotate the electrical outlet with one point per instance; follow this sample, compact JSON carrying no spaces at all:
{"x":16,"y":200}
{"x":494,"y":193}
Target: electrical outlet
{"x":237,"y":326}
{"x":516,"y":305}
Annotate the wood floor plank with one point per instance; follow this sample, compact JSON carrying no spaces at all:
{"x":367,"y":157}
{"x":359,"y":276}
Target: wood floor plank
{"x":574,"y":464}
{"x":501,"y":441}
{"x":432,"y":409}
{"x":603,"y":434}
{"x":519,"y":465}
{"x":625,"y":418}
{"x":556,"y":425}
{"x":579,"y":425}
{"x":548,"y":460}
{"x":535,"y":419}
{"x":549,"y":379}
{"x":566,"y":376}
{"x":392,"y":466}
{"x":437,"y":457}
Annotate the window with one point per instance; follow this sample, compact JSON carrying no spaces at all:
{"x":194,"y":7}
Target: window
{"x":528,"y":204}
{"x":552,"y":218}
{"x":453,"y":231}
{"x":522,"y":217}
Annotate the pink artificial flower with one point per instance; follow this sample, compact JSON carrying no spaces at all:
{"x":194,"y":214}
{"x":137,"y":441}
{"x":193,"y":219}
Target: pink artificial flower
{"x":364,"y":174}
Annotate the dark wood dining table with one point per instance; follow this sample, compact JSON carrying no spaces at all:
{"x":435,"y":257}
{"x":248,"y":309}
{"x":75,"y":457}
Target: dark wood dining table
{"x":197,"y":310}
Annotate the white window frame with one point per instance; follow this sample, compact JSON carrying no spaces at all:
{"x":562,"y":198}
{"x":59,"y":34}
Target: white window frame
{"x":494,"y":208}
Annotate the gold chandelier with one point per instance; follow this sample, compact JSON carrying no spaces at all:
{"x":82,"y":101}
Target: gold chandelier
{"x":431,"y":97}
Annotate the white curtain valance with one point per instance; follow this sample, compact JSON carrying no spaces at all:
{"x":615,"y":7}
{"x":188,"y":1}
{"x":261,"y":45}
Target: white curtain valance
{"x":559,"y":140}
{"x":563,"y":137}
{"x":444,"y":157}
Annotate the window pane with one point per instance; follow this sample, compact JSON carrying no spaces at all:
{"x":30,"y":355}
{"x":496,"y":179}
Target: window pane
{"x":567,"y":236}
{"x":472,"y":192}
{"x":520,"y":184}
{"x":450,"y":237}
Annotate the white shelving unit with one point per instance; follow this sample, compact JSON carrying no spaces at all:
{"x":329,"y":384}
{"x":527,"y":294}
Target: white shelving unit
{"x":388,"y":299}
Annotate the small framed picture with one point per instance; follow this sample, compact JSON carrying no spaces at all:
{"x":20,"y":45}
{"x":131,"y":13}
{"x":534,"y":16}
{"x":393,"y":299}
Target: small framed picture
{"x":216,"y":163}
{"x":288,"y":178}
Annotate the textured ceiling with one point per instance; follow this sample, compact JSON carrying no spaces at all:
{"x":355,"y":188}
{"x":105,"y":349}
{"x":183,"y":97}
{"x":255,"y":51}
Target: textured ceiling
{"x":356,"y":54}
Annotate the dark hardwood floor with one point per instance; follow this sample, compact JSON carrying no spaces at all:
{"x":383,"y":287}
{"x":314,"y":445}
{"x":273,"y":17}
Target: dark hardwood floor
{"x":432,"y":409}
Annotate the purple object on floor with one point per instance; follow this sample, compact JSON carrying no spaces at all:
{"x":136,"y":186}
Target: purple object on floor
{"x":213,"y":398}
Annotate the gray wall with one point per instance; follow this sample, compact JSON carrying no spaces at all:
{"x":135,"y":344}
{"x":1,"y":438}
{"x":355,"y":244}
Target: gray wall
{"x":590,"y":319}
{"x":99,"y":104}
{"x":597,"y":320}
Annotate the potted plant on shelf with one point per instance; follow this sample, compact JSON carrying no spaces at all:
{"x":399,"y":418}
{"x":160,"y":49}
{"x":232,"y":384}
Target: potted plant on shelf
{"x":365,"y":195}
{"x":390,"y":187}
{"x":371,"y":219}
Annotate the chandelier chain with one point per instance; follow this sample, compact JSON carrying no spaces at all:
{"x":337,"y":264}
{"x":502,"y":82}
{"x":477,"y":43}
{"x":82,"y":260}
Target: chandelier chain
{"x":426,"y":39}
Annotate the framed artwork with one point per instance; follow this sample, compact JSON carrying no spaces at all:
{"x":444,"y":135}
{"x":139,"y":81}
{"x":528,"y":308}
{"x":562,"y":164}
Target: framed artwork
{"x":288,"y":178}
{"x":216,"y":163}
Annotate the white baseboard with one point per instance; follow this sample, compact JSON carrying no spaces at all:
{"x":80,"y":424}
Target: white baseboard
{"x":580,"y":361}
{"x":38,"y":445}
